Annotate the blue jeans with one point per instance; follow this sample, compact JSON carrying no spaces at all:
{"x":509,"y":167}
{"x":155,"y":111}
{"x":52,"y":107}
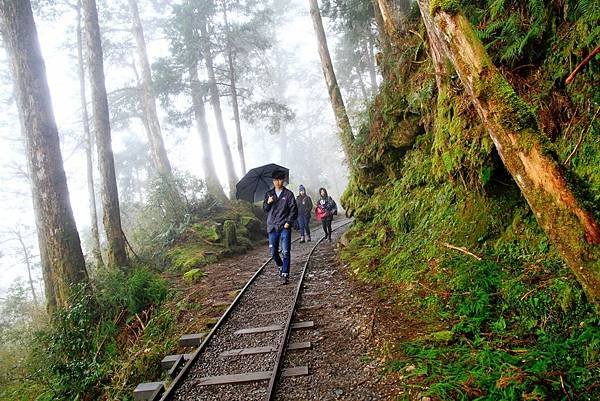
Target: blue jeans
{"x":284,"y":236}
{"x":303,"y":222}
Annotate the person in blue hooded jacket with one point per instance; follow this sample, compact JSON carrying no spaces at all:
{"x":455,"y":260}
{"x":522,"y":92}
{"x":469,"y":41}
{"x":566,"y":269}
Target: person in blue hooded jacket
{"x":282,"y":211}
{"x":305,"y":206}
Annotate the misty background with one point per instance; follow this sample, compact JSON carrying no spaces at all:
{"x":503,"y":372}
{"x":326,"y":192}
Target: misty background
{"x":299,"y":133}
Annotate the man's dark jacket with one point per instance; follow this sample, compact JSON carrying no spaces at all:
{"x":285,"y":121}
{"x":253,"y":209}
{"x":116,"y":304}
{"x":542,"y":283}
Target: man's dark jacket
{"x":282,"y":210}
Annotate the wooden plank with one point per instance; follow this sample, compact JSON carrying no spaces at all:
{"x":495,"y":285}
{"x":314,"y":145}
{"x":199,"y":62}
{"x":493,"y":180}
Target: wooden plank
{"x":248,"y":351}
{"x":191,"y":340}
{"x":264,"y":329}
{"x":303,"y":325}
{"x":250,"y":377}
{"x":148,"y":391}
{"x":169,"y":360}
{"x":230,"y":379}
{"x":302,"y":345}
{"x":176,"y":365}
{"x":312,"y":307}
{"x":297,"y":371}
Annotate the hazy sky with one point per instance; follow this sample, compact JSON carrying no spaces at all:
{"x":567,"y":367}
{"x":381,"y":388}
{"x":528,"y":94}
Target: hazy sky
{"x":295,"y":35}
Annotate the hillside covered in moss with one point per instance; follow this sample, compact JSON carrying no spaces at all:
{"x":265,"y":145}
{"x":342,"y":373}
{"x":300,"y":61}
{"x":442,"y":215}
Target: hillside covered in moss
{"x":441,"y":225}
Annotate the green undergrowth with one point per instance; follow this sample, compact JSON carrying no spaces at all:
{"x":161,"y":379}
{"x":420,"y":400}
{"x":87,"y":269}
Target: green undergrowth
{"x":114,"y":334}
{"x":441,"y":227}
{"x":110,"y":338}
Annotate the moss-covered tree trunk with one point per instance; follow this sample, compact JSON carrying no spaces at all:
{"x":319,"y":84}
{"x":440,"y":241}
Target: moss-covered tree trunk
{"x":522,"y":147}
{"x":337,"y":102}
{"x":62,"y":259}
{"x":96,"y":251}
{"x":117,"y":255}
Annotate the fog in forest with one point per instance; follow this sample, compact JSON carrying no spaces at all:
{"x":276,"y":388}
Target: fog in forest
{"x":285,"y":113}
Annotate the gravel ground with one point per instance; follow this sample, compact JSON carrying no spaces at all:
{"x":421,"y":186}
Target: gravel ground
{"x":341,"y":366}
{"x":265,"y":294}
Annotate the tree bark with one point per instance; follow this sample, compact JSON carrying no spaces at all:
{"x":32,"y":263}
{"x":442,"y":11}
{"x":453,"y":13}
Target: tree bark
{"x":89,"y":144}
{"x":216,"y":105}
{"x":117,"y":255}
{"x":519,"y":142}
{"x":335,"y":95}
{"x":210,"y":174}
{"x":234,"y":97}
{"x":155,"y":139}
{"x":62,"y":259}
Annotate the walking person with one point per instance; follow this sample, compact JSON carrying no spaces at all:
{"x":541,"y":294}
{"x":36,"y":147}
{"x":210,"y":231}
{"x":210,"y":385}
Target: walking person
{"x":325,"y":210}
{"x":282,"y":211}
{"x":305,"y":206}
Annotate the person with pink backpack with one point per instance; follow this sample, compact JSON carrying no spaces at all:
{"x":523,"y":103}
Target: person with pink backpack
{"x":325,"y":210}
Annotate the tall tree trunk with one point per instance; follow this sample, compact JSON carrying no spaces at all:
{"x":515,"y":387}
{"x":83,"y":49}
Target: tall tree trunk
{"x":210,"y":174}
{"x":96,"y":251}
{"x":117,"y":255}
{"x":60,"y":246}
{"x":157,"y":146}
{"x":370,"y":55}
{"x":27,"y":259}
{"x":522,"y":147}
{"x":216,"y":105}
{"x":335,"y":95}
{"x":234,"y":97}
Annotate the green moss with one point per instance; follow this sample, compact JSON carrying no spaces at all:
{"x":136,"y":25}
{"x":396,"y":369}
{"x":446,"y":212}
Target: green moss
{"x":449,"y":6}
{"x":193,"y":275}
{"x":187,"y":256}
{"x":208,"y":230}
{"x":444,"y":336}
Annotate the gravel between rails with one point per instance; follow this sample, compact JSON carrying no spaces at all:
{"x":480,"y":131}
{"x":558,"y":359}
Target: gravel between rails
{"x":265,"y":293}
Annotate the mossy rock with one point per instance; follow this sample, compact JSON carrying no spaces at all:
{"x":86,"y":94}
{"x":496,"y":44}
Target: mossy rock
{"x":193,"y":275}
{"x":444,"y":337}
{"x":208,"y":230}
{"x":403,"y":136}
{"x":229,"y":234}
{"x":187,"y":256}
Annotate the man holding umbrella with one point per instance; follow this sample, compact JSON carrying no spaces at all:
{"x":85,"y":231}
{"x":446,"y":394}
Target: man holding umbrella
{"x":282,"y":211}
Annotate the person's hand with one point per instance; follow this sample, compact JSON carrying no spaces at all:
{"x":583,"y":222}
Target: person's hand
{"x":270,"y":200}
{"x":286,"y":225}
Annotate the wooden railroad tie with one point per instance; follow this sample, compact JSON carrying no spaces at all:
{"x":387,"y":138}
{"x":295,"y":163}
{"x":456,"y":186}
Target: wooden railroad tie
{"x":191,"y":340}
{"x":148,"y":391}
{"x":263,"y":350}
{"x":275,"y":327}
{"x":250,"y":377}
{"x":168,"y":361}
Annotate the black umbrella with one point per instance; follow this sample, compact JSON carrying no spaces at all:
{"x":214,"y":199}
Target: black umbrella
{"x":256,"y":182}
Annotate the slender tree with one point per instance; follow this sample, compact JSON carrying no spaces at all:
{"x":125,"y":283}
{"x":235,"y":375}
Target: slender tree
{"x":117,"y":255}
{"x":157,"y":146}
{"x":339,"y":109}
{"x":62,"y":259}
{"x":230,"y":53}
{"x":215,"y":101}
{"x":178,"y":75}
{"x":89,"y":143}
{"x":513,"y":128}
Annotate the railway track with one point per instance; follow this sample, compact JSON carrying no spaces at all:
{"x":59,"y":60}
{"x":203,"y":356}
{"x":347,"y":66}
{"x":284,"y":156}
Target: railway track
{"x":242,"y":356}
